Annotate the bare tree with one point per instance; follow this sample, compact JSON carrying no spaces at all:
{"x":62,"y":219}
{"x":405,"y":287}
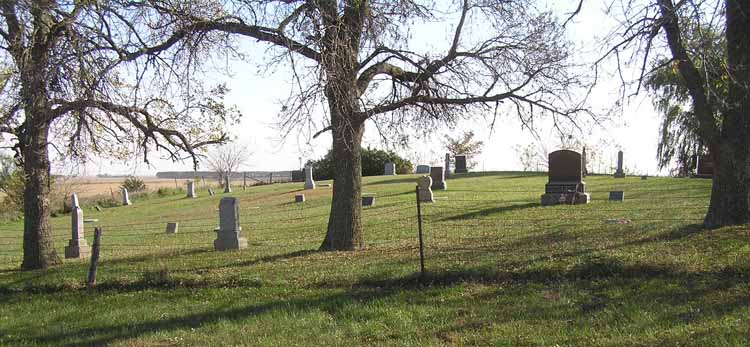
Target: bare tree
{"x":227,"y":158}
{"x":355,"y":60}
{"x":68,"y":87}
{"x":657,"y":32}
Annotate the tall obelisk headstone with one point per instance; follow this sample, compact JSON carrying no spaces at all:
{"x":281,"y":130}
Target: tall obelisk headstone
{"x":309,"y":182}
{"x":619,"y":173}
{"x":77,"y":246}
{"x":125,"y":197}
{"x":446,"y":168}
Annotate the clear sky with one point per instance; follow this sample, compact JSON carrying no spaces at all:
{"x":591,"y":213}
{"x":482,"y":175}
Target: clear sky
{"x":257,"y":95}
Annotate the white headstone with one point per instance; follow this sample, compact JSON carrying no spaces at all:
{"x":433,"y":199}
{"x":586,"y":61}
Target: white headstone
{"x":190,"y":189}
{"x":125,"y":197}
{"x":309,"y":182}
{"x":77,"y":246}
{"x":228,"y":234}
{"x":425,"y":189}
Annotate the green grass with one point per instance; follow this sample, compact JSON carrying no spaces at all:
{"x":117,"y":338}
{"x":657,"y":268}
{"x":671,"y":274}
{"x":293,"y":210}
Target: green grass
{"x":501,"y":270}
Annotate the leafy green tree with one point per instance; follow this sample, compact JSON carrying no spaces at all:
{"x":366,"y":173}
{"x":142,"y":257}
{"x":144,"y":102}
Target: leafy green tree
{"x":373,"y":163}
{"x":465,"y":144}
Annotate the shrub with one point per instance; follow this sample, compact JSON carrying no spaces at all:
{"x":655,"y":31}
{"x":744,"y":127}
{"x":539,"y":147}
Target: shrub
{"x":133,"y":184}
{"x":373,"y":164}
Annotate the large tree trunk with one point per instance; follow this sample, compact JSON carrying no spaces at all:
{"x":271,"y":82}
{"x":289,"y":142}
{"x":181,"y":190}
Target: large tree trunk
{"x":38,"y":243}
{"x":730,"y":194}
{"x":345,"y":220}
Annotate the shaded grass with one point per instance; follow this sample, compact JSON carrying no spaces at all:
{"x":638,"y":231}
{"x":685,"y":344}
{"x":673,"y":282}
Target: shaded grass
{"x":502,"y":270}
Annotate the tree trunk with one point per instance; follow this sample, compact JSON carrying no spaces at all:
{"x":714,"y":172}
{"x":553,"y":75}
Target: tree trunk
{"x":730,"y":194}
{"x":38,"y":243}
{"x":345,"y":220}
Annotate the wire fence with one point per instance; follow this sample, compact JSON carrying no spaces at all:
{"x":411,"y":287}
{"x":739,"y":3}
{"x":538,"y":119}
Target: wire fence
{"x":457,"y":222}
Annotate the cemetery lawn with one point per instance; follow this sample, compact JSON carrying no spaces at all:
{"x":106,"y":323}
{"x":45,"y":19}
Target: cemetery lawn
{"x":501,"y":270}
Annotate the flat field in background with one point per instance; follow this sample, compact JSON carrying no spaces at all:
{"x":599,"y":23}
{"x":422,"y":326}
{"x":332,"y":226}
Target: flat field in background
{"x":501,"y":270}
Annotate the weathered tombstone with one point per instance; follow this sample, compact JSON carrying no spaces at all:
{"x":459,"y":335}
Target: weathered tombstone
{"x":299,"y":198}
{"x":619,"y":173}
{"x":584,"y":158}
{"x":77,"y":246}
{"x":125,"y":197}
{"x":309,"y":182}
{"x":423,"y":169}
{"x":704,"y":168}
{"x":425,"y":189}
{"x":171,"y":228}
{"x":390,"y":169}
{"x":368,"y":199}
{"x":227,"y":186}
{"x":210,"y":191}
{"x":190,"y":189}
{"x":565,"y":180}
{"x":461,"y":164}
{"x":228,"y":234}
{"x":438,"y":177}
{"x":447,"y":172}
{"x":617,"y":195}
{"x":644,"y":177}
{"x":298,"y":175}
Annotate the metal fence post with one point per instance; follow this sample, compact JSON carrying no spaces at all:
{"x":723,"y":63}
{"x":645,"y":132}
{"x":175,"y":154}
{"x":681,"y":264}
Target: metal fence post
{"x":421,"y":242}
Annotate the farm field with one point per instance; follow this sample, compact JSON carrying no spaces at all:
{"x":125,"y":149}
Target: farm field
{"x":500,"y":270}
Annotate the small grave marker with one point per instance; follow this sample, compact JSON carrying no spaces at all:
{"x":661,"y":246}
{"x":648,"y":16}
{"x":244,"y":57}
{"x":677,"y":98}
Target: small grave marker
{"x":617,"y":195}
{"x":423,"y":169}
{"x":425,"y":189}
{"x":368,"y":199}
{"x":299,"y":198}
{"x":172,"y":228}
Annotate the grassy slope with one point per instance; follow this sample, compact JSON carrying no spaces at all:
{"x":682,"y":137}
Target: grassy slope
{"x":501,"y":270}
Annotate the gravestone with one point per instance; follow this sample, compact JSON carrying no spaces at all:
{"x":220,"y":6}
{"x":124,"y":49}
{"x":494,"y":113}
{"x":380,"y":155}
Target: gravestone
{"x":299,"y":198}
{"x":584,"y":158}
{"x":617,"y":195}
{"x":389,"y":169}
{"x":423,"y":169}
{"x":227,"y":186}
{"x":210,"y":191}
{"x":461,"y":164}
{"x":309,"y":182}
{"x":565,"y":179}
{"x":171,"y":228}
{"x":368,"y":199}
{"x":229,"y":232}
{"x":438,"y":177}
{"x":125,"y":197}
{"x":644,"y":177}
{"x":619,"y":173}
{"x":77,"y":246}
{"x":190,"y":189}
{"x":704,"y":168}
{"x":447,"y":172}
{"x":424,"y":185}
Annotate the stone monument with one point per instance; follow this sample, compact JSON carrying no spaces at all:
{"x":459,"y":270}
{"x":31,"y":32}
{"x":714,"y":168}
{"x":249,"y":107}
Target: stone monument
{"x":368,"y":199}
{"x":309,"y":182}
{"x":227,"y":186}
{"x":77,"y":246}
{"x":461,"y":164}
{"x":423,"y":169}
{"x":425,"y":188}
{"x":172,"y":228}
{"x":619,"y":173}
{"x":447,"y":172}
{"x":228,"y":234}
{"x":565,"y":180}
{"x":390,"y":169}
{"x":617,"y":195}
{"x":704,"y":167}
{"x":438,"y":177}
{"x":584,"y":158}
{"x":125,"y":197}
{"x":190,"y":189}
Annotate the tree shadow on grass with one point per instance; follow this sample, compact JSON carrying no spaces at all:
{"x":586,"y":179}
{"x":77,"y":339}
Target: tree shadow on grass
{"x":491,"y":211}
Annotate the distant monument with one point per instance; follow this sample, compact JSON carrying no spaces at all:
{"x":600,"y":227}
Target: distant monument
{"x":447,"y":172}
{"x":565,"y":180}
{"x":423,"y":169}
{"x":227,"y":187}
{"x":190,"y":189}
{"x":125,"y":197}
{"x":438,"y":177}
{"x":390,"y":169}
{"x":619,"y":173}
{"x":309,"y":182}
{"x":77,"y":246}
{"x":461,"y":164}
{"x":584,"y":157}
{"x":228,"y":234}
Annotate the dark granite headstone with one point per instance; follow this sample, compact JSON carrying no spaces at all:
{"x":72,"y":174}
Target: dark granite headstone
{"x":438,"y":177}
{"x":617,"y":195}
{"x":704,"y":167}
{"x":461,"y":164}
{"x":565,"y":179}
{"x":368,"y":200}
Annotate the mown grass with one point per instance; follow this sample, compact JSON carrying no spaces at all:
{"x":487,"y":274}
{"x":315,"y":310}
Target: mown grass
{"x":501,"y":270}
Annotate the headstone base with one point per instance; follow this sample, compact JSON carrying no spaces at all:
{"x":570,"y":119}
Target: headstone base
{"x":565,"y":199}
{"x":439,"y":185}
{"x":619,"y":175}
{"x":226,"y":240}
{"x":77,"y":249}
{"x":309,"y":185}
